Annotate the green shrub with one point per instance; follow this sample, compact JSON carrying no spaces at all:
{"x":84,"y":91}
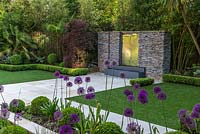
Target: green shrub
{"x":13,"y":130}
{"x":177,"y":132}
{"x":52,"y":59}
{"x":61,"y":64}
{"x":4,"y":123}
{"x":109,"y":128}
{"x":50,"y":68}
{"x":37,"y":103}
{"x":181,"y":79}
{"x":15,"y":59}
{"x":25,"y":59}
{"x":67,"y":111}
{"x":20,"y":108}
{"x":142,"y":81}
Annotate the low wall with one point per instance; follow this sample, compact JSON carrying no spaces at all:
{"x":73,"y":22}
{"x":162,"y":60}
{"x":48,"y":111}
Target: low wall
{"x":154,"y":50}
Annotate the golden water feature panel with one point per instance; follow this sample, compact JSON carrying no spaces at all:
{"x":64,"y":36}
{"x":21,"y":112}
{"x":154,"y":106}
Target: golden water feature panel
{"x":130,"y":50}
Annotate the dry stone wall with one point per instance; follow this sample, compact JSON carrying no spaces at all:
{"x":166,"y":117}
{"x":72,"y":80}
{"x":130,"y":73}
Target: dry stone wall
{"x":154,"y":50}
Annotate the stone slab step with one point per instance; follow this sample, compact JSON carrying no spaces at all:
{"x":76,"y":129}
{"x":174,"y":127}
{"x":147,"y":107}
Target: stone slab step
{"x":128,"y":74}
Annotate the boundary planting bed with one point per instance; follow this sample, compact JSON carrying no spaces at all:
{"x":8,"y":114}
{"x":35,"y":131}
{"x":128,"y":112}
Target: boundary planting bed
{"x":50,"y":68}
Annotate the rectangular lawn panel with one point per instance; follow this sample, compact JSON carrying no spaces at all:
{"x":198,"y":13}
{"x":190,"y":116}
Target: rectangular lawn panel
{"x":178,"y":96}
{"x":23,"y":76}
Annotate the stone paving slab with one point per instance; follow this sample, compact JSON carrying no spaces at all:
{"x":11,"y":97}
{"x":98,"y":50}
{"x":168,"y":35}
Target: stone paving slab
{"x":31,"y":126}
{"x":30,"y":90}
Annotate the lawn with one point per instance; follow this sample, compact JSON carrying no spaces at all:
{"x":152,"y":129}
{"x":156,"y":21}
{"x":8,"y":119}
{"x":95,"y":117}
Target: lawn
{"x":23,"y":76}
{"x":178,"y":96}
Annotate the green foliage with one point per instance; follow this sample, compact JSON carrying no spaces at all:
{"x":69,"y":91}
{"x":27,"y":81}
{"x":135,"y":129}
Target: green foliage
{"x":67,"y":111}
{"x":15,"y":59}
{"x":4,"y":123}
{"x":61,"y":64}
{"x":181,"y":79}
{"x":109,"y":128}
{"x":50,"y":68}
{"x":52,"y":58}
{"x":37,"y":103}
{"x":197,"y":73}
{"x":20,"y":108}
{"x":176,"y":132}
{"x":13,"y":130}
{"x":94,"y":120}
{"x":73,"y":7}
{"x":50,"y":108}
{"x":142,"y":81}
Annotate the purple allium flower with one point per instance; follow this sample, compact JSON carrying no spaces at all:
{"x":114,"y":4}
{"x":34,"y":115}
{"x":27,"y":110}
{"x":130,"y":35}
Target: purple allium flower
{"x":90,"y":89}
{"x":190,"y":123}
{"x":15,"y":102}
{"x":58,"y":115}
{"x":162,"y":96}
{"x":143,"y":91}
{"x":136,"y":86}
{"x":143,"y":98}
{"x":78,"y":80}
{"x":18,"y":117}
{"x":87,"y":79}
{"x":4,"y":106}
{"x":182,"y":114}
{"x":131,"y":98}
{"x":1,"y":89}
{"x":69,"y":84}
{"x":4,"y":114}
{"x":66,"y":78}
{"x":133,"y":128}
{"x":128,"y":112}
{"x":81,"y":91}
{"x":90,"y":96}
{"x":195,"y":114}
{"x":65,"y":129}
{"x":197,"y":108}
{"x":61,"y":76}
{"x":128,"y":92}
{"x":73,"y":118}
{"x":157,"y":90}
{"x":114,"y":63}
{"x":122,"y":75}
{"x":57,"y":74}
{"x":107,"y":63}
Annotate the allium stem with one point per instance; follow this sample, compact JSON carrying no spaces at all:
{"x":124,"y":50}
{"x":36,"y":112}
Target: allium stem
{"x":61,"y":91}
{"x":111,"y":87}
{"x":135,"y":107}
{"x":124,"y":82}
{"x":86,"y":86}
{"x":55,"y":89}
{"x":122,"y":124}
{"x":106,"y":87}
{"x":165,"y":119}
{"x":3,"y":98}
{"x":124,"y":107}
{"x":147,"y":115}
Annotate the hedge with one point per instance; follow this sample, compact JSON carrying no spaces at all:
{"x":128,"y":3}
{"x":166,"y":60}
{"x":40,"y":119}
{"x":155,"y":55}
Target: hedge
{"x":181,"y":79}
{"x":50,"y":68}
{"x":142,"y":81}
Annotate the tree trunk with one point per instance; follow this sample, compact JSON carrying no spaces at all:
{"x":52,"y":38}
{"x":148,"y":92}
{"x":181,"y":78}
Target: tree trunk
{"x":190,"y":31}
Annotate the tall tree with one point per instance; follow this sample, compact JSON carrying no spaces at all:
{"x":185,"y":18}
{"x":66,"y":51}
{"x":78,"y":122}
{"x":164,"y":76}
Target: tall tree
{"x":181,"y":6}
